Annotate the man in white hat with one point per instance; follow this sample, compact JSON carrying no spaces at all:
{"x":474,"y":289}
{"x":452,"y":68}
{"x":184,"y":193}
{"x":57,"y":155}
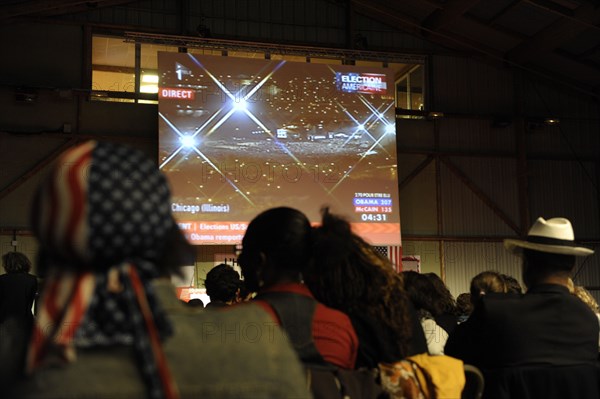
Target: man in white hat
{"x":545,"y":326}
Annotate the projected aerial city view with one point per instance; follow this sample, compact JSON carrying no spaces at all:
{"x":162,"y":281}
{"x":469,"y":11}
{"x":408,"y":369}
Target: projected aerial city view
{"x":238,"y":136}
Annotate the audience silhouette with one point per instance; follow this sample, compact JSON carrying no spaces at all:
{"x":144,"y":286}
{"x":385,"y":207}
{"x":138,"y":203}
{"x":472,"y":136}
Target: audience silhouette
{"x":110,"y":325}
{"x":223,"y":285}
{"x":448,"y":316}
{"x":424,"y":295}
{"x":348,"y":274}
{"x":109,"y":315}
{"x":547,"y":326}
{"x":18,"y":291}
{"x":276,"y":250}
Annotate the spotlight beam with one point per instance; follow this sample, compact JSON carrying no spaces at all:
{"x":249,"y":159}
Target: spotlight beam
{"x":172,"y":126}
{"x":258,"y":122}
{"x":232,"y":184}
{"x":166,"y":161}
{"x":374,"y":112}
{"x":355,"y":121}
{"x":262,"y":82}
{"x":213,"y":116}
{"x":221,"y":121}
{"x":377,"y":113}
{"x":217,"y":81}
{"x":246,"y":111}
{"x":357,"y":162}
{"x":234,"y":97}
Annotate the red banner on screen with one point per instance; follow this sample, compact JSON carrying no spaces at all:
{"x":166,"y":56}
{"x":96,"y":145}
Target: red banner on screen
{"x":177,"y":94}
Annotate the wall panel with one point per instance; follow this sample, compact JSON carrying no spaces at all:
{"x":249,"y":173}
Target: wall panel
{"x":429,"y":251}
{"x":464,"y":260}
{"x":574,"y":139}
{"x":545,"y":98}
{"x":563,"y":188}
{"x":467,"y":86}
{"x":496,"y":178}
{"x":15,"y":207}
{"x":414,"y":134}
{"x":418,"y":204}
{"x":30,"y":59}
{"x":476,"y":135}
{"x":465,"y":214}
{"x":383,"y":36}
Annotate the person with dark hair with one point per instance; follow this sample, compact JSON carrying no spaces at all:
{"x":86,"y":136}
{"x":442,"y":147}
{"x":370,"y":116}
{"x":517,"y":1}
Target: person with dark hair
{"x":222,"y":286}
{"x":512,"y":284}
{"x":18,"y":288}
{"x":276,"y":250}
{"x":245,"y":294}
{"x":448,"y":316}
{"x":110,"y":324}
{"x":424,"y":295}
{"x":195,"y":303}
{"x":464,"y":306}
{"x":547,"y":325}
{"x":16,"y":262}
{"x":485,"y":283}
{"x":348,"y":274}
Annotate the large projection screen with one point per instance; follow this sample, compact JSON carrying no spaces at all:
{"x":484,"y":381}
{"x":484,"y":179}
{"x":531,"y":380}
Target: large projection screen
{"x":240,"y":135}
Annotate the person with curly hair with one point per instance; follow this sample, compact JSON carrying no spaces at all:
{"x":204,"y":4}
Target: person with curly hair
{"x":222,"y":286}
{"x":424,"y":295}
{"x":349,"y":275}
{"x":448,"y":315}
{"x":512,"y":284}
{"x":586,"y":297}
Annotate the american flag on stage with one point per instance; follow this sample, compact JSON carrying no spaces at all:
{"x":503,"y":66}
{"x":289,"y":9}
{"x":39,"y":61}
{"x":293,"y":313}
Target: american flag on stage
{"x":393,"y":253}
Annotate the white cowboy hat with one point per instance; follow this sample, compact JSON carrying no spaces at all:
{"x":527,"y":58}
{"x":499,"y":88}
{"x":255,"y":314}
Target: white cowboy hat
{"x":553,"y":235}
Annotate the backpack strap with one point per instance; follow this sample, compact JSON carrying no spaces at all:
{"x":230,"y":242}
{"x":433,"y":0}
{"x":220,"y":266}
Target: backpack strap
{"x":295,"y":313}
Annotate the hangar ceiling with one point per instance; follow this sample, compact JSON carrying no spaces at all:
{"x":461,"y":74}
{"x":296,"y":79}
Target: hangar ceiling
{"x":558,"y":39}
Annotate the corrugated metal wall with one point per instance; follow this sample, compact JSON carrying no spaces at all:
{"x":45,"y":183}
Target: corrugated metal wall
{"x":468,"y":86}
{"x":464,"y":260}
{"x":418,"y":204}
{"x":466,"y":213}
{"x":562,"y":188}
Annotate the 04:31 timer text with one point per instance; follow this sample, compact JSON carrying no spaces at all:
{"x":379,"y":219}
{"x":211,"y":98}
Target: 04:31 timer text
{"x":373,"y":217}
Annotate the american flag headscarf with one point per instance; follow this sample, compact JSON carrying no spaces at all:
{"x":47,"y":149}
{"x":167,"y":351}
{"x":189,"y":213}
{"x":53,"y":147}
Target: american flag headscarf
{"x":101,"y":219}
